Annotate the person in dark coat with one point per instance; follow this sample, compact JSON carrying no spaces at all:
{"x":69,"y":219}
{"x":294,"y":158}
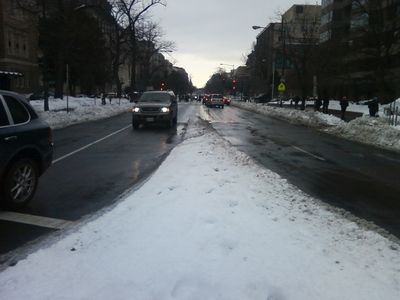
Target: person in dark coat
{"x":296,"y":100}
{"x":325,"y":105}
{"x":344,"y":103}
{"x":317,"y":104}
{"x":303,"y":103}
{"x":373,"y":107}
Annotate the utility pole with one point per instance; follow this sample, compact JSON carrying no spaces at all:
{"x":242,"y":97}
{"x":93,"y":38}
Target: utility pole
{"x":67,"y":88}
{"x":283,"y":38}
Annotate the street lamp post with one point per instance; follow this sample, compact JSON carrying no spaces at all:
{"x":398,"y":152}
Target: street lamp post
{"x":233,"y":67}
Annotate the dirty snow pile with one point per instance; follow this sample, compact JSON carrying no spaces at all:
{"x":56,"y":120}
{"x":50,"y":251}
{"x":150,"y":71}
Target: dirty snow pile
{"x":211,"y":224}
{"x":373,"y":131}
{"x":80,"y":110}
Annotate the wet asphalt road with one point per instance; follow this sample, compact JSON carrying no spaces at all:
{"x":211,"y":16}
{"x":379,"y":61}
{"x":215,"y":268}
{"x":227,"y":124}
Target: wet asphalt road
{"x":361,"y":179}
{"x":94,"y":177}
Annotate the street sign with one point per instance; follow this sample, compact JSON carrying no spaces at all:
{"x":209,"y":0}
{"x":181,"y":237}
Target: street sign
{"x":281,"y":87}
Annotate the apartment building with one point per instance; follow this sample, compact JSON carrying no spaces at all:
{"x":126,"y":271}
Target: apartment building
{"x":361,"y":38}
{"x":301,"y":32}
{"x":19,"y":69}
{"x":268,"y":54}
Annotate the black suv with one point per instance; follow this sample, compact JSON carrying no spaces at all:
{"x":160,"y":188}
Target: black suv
{"x":26,"y":150}
{"x":155,"y":107}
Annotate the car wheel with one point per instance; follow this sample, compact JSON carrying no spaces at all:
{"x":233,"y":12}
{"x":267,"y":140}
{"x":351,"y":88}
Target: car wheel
{"x":135,"y":126}
{"x":20,"y":183}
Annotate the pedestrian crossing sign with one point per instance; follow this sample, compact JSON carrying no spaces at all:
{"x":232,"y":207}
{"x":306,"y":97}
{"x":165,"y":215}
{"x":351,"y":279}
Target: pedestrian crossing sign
{"x":281,"y":87}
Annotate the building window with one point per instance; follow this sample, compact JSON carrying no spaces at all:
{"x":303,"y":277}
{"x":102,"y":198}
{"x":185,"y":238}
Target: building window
{"x":326,"y":3}
{"x":326,"y":18}
{"x":359,"y":21}
{"x":10,"y":49}
{"x":324,"y":36}
{"x":299,"y":9}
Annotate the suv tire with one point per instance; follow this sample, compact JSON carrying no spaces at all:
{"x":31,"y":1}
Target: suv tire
{"x":20,"y":183}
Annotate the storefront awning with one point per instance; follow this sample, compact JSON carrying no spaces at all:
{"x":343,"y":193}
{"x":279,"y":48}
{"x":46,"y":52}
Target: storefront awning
{"x":9,"y":73}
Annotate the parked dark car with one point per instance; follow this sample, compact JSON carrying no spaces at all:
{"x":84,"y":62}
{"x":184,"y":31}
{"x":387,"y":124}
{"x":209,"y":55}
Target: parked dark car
{"x":263,"y":98}
{"x":40,"y":95}
{"x":155,"y":107}
{"x":26,"y":150}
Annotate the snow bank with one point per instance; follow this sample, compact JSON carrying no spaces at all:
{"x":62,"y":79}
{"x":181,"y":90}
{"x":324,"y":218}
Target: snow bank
{"x":80,"y":110}
{"x":372,"y":131}
{"x":211,"y":224}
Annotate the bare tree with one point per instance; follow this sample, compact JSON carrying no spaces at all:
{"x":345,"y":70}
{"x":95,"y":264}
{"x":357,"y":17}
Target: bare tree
{"x":300,"y":44}
{"x":118,"y":39}
{"x":375,"y":39}
{"x":150,"y":37}
{"x":132,"y":11}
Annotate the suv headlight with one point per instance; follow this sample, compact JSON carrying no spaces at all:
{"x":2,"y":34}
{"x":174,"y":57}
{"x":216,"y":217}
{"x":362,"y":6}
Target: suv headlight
{"x":165,"y":109}
{"x":136,"y":109}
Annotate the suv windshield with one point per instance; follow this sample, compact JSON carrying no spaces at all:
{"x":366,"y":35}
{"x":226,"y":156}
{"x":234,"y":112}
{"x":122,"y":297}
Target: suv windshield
{"x":155,"y":97}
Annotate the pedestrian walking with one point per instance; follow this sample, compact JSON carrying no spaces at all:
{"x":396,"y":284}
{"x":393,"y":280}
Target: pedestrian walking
{"x":373,"y":107}
{"x":317,"y":104}
{"x":325,"y":105}
{"x":303,"y":103}
{"x":296,"y":101}
{"x":344,"y":103}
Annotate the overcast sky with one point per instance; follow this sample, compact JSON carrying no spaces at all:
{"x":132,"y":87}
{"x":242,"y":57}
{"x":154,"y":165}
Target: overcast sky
{"x":210,"y":32}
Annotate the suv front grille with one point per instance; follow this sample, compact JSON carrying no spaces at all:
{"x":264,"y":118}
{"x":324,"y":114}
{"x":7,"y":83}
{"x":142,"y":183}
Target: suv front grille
{"x":150,"y":109}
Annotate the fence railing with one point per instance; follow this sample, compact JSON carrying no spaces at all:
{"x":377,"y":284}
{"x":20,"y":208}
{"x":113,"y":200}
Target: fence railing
{"x":392,"y":113}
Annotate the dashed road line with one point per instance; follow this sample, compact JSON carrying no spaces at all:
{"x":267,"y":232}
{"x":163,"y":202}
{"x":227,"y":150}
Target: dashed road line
{"x":306,"y":152}
{"x":34,"y":220}
{"x":89,"y":145}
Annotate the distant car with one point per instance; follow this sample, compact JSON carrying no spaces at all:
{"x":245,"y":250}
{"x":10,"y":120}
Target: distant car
{"x":155,"y":107}
{"x":216,"y":100}
{"x":26,"y":150}
{"x":227,"y":101}
{"x":206,"y":99}
{"x":40,"y":95}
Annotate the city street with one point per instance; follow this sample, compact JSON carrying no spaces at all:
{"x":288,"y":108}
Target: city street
{"x":97,"y":162}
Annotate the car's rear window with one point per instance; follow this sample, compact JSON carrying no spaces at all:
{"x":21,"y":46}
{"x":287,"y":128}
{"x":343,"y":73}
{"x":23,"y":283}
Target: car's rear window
{"x":3,"y":116}
{"x":18,"y":112}
{"x":155,"y":97}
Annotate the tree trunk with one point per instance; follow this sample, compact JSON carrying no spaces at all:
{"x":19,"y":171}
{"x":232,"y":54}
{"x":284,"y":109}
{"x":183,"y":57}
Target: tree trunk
{"x":59,"y":85}
{"x":133,"y":64}
{"x":46,"y":95}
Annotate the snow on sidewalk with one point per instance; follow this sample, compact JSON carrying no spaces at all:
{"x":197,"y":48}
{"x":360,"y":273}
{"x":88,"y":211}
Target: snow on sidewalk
{"x":367,"y":130}
{"x":81,"y":110}
{"x":211,"y":224}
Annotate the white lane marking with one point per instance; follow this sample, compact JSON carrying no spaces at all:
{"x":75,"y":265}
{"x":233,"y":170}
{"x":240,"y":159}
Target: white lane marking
{"x":89,"y":145}
{"x":306,"y":152}
{"x":34,"y":220}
